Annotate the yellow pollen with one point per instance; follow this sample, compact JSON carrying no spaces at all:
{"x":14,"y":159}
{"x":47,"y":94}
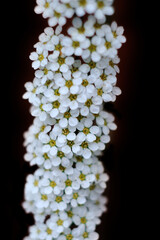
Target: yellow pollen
{"x":58,"y":199}
{"x":52,"y":143}
{"x":85,"y":235}
{"x":52,"y":184}
{"x":49,"y":231}
{"x":57,"y":14}
{"x":86,"y":130}
{"x":67,"y":115}
{"x":81,"y":30}
{"x":73,"y":97}
{"x":40,"y":57}
{"x":99,"y":91}
{"x":45,"y":155}
{"x":44,"y":197}
{"x":61,"y":60}
{"x":88,"y":103}
{"x":100,"y":4}
{"x":83,"y":220}
{"x":65,"y":131}
{"x":92,"y":48}
{"x":69,"y":83}
{"x":70,"y":143}
{"x":60,"y":154}
{"x":82,"y":3}
{"x":46,"y":5}
{"x":35,"y":183}
{"x":75,"y":44}
{"x":56,"y":92}
{"x":56,"y":104}
{"x":84,"y":82}
{"x":60,"y":222}
{"x":75,"y":195}
{"x":84,"y":145}
{"x":103,"y":76}
{"x":70,"y":214}
{"x":108,"y":44}
{"x":45,"y":70}
{"x":82,"y":177}
{"x":68,"y":183}
{"x":69,"y":237}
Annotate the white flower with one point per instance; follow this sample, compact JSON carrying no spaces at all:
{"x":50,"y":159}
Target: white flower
{"x":74,"y":46}
{"x":39,"y":58}
{"x":75,"y":74}
{"x":44,"y":7}
{"x":103,"y":8}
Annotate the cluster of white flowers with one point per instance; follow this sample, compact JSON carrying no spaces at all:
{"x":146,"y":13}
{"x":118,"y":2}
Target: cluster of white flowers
{"x":74,"y":74}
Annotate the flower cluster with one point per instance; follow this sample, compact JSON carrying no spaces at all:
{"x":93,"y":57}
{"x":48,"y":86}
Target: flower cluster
{"x":58,"y":11}
{"x":75,"y":74}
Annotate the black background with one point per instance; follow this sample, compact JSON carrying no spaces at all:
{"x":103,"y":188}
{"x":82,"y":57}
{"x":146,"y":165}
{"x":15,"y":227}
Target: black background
{"x":129,"y":159}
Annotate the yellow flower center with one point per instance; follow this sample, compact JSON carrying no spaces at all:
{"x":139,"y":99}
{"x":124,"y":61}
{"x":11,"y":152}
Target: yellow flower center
{"x":73,"y":97}
{"x":70,"y":214}
{"x":57,"y":14}
{"x":52,"y":143}
{"x":35,"y":183}
{"x":85,"y":235}
{"x":47,"y":83}
{"x":82,"y":3}
{"x":49,"y":231}
{"x":114,"y":34}
{"x":67,"y":115}
{"x":58,"y":47}
{"x":88,"y":103}
{"x":99,"y":91}
{"x":81,"y":30}
{"x":40,"y":57}
{"x":100,"y":4}
{"x":44,"y":197}
{"x":92,"y":48}
{"x":56,"y":104}
{"x":69,"y":237}
{"x":97,"y":25}
{"x":84,"y":145}
{"x":58,"y":199}
{"x":68,"y":183}
{"x":92,"y":64}
{"x":82,"y":177}
{"x":75,"y":44}
{"x":75,"y":195}
{"x":60,"y":154}
{"x":65,"y":131}
{"x":111,"y":63}
{"x":69,"y":83}
{"x":92,"y":187}
{"x":60,"y":222}
{"x":46,"y":5}
{"x":61,"y":60}
{"x":86,"y":130}
{"x":56,"y":92}
{"x":79,"y":159}
{"x":45,"y":155}
{"x":62,"y":168}
{"x":52,"y":184}
{"x":84,"y":82}
{"x":97,"y":176}
{"x":70,"y":143}
{"x":103,"y":77}
{"x":83,"y":220}
{"x":45,"y":70}
{"x":108,"y":44}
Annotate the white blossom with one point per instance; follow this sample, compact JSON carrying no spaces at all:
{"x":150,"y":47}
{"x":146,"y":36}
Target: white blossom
{"x":75,"y":73}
